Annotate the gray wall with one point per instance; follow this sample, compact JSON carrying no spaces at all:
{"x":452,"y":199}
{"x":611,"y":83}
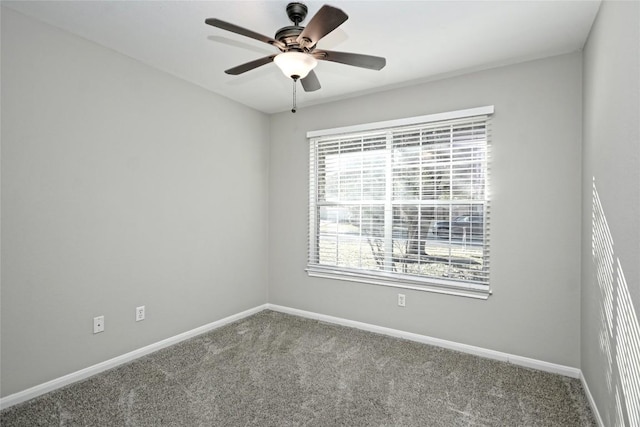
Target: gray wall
{"x":535,"y":309}
{"x":611,"y":213}
{"x":117,"y":191}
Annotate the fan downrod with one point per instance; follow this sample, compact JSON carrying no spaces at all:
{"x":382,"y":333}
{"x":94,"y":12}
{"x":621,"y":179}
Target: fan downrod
{"x":296,"y":12}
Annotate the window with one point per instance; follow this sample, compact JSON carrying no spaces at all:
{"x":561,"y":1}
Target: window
{"x":403,"y":203}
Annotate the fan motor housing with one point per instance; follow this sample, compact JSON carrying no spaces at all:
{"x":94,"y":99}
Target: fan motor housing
{"x":289,"y":36}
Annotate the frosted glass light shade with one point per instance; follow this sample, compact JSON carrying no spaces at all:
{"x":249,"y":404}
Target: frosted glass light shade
{"x":295,"y":64}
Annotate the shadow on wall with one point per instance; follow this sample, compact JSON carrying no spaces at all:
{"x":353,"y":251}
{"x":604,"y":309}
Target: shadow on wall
{"x":619,"y":328}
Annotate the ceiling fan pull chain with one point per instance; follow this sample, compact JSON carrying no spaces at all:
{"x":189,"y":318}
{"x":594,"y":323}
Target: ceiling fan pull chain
{"x":293,"y":109}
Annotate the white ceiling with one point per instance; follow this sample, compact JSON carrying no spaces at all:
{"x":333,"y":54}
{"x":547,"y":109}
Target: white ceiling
{"x":421,"y":40}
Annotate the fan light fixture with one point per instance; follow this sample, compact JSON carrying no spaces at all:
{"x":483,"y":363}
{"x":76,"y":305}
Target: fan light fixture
{"x":295,"y":65}
{"x":298,"y":46}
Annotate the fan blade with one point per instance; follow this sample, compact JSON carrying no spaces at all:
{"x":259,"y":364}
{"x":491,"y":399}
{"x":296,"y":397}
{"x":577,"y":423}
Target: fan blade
{"x":327,"y":19}
{"x":244,"y":32}
{"x":311,"y":82}
{"x":250,"y":65}
{"x":355,"y":59}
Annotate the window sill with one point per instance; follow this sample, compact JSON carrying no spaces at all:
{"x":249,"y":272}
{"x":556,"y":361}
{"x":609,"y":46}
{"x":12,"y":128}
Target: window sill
{"x":460,"y":289}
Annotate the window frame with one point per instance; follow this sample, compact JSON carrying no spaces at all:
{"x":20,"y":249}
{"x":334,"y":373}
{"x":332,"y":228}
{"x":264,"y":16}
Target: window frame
{"x":389,"y":278}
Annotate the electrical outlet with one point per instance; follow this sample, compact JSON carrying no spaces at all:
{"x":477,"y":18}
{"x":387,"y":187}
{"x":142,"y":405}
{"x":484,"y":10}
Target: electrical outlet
{"x":98,"y":324}
{"x":402,"y":300}
{"x":140,"y":313}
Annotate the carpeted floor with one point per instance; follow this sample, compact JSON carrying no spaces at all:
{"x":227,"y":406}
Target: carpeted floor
{"x":273,"y":369}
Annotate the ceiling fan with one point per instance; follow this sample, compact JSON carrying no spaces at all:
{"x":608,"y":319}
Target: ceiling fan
{"x":297,"y":45}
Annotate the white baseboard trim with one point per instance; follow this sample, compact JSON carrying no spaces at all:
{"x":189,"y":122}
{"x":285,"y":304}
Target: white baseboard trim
{"x":54,"y":384}
{"x":451,"y":345}
{"x":592,"y":402}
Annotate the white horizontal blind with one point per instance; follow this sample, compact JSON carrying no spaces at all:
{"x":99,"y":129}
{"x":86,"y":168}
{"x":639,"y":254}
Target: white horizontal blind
{"x":406,"y":205}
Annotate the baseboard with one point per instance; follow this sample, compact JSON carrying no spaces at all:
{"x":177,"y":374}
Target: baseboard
{"x":451,"y":345}
{"x":592,"y":402}
{"x":40,"y":389}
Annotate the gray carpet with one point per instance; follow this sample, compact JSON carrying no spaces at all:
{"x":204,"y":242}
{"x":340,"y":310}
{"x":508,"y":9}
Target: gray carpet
{"x":273,"y":369}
